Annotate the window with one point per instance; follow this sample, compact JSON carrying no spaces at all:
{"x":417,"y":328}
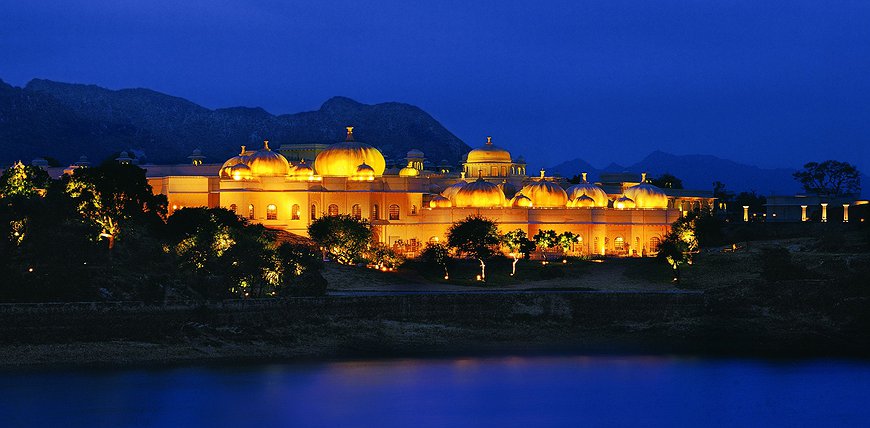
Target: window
{"x":356,"y":211}
{"x":618,"y":243}
{"x":493,"y":171}
{"x":375,"y":212}
{"x":294,"y":212}
{"x":413,"y":210}
{"x":271,"y":212}
{"x":394,"y":212}
{"x":332,"y":210}
{"x":233,"y":208}
{"x":654,"y":244}
{"x":313,"y":212}
{"x":251,"y":211}
{"x":504,"y":171}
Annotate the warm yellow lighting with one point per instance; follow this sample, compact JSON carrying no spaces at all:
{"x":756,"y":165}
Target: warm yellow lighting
{"x":746,"y":213}
{"x":845,"y":213}
{"x":824,"y":213}
{"x":804,"y":213}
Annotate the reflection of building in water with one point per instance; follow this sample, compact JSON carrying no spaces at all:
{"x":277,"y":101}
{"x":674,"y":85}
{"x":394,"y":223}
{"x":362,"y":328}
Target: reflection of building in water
{"x":413,"y":205}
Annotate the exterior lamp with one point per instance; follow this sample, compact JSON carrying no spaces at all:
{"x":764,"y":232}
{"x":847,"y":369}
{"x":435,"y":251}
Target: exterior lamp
{"x":745,"y":213}
{"x":803,"y":213}
{"x":824,"y":213}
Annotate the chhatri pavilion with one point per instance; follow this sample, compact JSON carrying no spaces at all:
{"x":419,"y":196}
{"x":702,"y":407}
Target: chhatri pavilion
{"x":408,"y":207}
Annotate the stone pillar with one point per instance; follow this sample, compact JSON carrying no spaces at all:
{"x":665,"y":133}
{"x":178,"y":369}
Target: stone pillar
{"x":845,"y":213}
{"x":824,"y":213}
{"x":803,"y":213}
{"x":746,"y":213}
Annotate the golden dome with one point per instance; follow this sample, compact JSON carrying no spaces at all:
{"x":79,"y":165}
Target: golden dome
{"x":440,"y":202}
{"x":599,"y":197}
{"x":479,"y":194}
{"x":408,"y":171}
{"x":364,"y":173}
{"x":267,"y":163}
{"x":301,"y":171}
{"x":545,"y":194}
{"x":521,"y":201}
{"x":489,"y":153}
{"x":583,"y":201}
{"x":623,"y":203}
{"x":240,"y":172}
{"x":342,"y":159}
{"x":646,"y":195}
{"x":242,"y":158}
{"x":451,"y":190}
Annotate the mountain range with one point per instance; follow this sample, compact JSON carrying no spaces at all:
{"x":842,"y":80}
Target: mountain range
{"x":64,"y":121}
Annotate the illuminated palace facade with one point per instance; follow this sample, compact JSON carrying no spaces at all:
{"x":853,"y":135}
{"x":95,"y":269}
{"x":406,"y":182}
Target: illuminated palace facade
{"x":411,"y":206}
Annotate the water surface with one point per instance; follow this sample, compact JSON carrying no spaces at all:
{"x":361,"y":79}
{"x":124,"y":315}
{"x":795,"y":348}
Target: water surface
{"x":506,"y":392}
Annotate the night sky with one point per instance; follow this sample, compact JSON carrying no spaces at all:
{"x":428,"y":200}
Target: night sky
{"x":763,"y":82}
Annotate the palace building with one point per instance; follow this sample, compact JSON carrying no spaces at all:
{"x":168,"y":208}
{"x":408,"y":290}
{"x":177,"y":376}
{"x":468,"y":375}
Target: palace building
{"x":410,"y":206}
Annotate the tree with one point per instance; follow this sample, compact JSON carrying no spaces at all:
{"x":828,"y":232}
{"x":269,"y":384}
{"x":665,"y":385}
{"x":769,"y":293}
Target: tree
{"x":830,"y":178}
{"x":566,"y":240}
{"x":436,"y":255}
{"x":112,"y":194}
{"x":344,"y":237}
{"x":546,"y":239}
{"x":519,"y":245}
{"x":753,"y":200}
{"x":299,"y":268}
{"x":23,"y":181}
{"x":477,"y":237}
{"x":679,"y":245}
{"x":720,"y":193}
{"x":667,"y":181}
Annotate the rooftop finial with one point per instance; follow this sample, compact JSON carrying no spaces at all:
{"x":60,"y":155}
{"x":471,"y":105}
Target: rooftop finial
{"x":243,"y":151}
{"x":462,"y":175}
{"x":584,"y":177}
{"x":480,"y":174}
{"x":542,"y":172}
{"x":349,"y":137}
{"x":488,"y":141}
{"x":643,"y":177}
{"x":266,"y":145}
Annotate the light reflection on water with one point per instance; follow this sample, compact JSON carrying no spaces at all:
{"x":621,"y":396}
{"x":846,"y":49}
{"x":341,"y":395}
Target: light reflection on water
{"x":511,"y":391}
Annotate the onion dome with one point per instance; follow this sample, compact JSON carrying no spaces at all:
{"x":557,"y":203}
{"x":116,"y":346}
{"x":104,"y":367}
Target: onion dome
{"x":440,"y":202}
{"x":546,"y":194}
{"x":623,"y":203}
{"x":489,"y":153}
{"x":342,"y":159}
{"x":453,"y":189}
{"x":583,"y":201}
{"x":408,"y":171}
{"x":414,"y":153}
{"x":302,"y":171}
{"x":266,"y":163}
{"x":585,"y":188}
{"x":646,"y":195}
{"x":364,"y":173}
{"x":240,"y":172}
{"x":521,"y":201}
{"x":242,"y":157}
{"x":479,"y":194}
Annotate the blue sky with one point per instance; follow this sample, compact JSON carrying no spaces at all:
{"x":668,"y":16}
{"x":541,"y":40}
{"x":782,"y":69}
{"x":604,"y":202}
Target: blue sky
{"x":767,"y":83}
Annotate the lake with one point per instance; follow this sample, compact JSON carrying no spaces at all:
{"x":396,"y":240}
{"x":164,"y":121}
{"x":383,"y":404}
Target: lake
{"x":506,"y":392}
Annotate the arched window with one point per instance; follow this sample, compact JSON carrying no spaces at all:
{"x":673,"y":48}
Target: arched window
{"x":654,"y":244}
{"x":233,"y":208}
{"x":313,"y":212}
{"x":618,"y":243}
{"x":356,"y":211}
{"x":332,"y":210}
{"x":394,"y":212}
{"x":376,"y":212}
{"x":413,"y":210}
{"x":271,"y":212}
{"x":251,"y":211}
{"x":294,"y":212}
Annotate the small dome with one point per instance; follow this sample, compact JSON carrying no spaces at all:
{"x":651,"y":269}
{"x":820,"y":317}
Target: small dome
{"x":242,"y":157}
{"x":301,"y":171}
{"x":521,"y":201}
{"x":440,"y":202}
{"x":434,"y":189}
{"x":266,"y":163}
{"x":623,"y":203}
{"x":479,"y":194}
{"x":588,"y":189}
{"x":489,"y":153}
{"x":414,"y":153}
{"x":545,"y":194}
{"x":240,"y":172}
{"x":342,"y":159}
{"x":583,"y":201}
{"x":408,"y":171}
{"x":364,"y":173}
{"x":646,"y":195}
{"x":452,"y":189}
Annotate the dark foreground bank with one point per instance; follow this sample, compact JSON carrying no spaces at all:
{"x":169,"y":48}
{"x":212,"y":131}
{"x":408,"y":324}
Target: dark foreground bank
{"x":120,"y":334}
